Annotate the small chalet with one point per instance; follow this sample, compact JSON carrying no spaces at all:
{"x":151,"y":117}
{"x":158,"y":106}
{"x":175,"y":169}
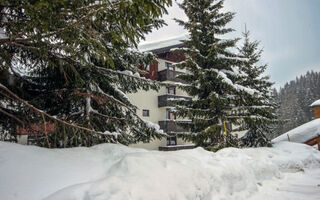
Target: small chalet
{"x":308,"y":133}
{"x":25,"y":134}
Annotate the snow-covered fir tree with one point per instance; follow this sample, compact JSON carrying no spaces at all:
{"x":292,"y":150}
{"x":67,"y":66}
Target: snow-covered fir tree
{"x":295,"y":98}
{"x":212,"y":74}
{"x":259,"y":109}
{"x":72,"y":63}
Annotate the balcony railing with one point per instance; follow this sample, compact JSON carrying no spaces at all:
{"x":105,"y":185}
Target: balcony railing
{"x":164,"y":100}
{"x":176,"y":147}
{"x":169,"y":75}
{"x":171,"y":126}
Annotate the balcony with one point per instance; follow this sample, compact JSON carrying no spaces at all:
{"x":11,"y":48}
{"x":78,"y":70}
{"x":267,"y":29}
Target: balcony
{"x":169,"y":75}
{"x":170,"y":126}
{"x":176,"y":147}
{"x":164,"y":100}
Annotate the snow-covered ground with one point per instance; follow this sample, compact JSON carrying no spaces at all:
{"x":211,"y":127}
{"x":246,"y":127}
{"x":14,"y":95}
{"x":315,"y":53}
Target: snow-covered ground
{"x":115,"y":172}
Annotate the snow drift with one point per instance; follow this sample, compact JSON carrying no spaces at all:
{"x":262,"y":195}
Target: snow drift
{"x":116,"y":172}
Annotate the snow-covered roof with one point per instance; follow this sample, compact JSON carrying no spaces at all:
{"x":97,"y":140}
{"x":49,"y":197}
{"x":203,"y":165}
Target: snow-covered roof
{"x":301,"y":134}
{"x":161,"y":44}
{"x":316,"y":103}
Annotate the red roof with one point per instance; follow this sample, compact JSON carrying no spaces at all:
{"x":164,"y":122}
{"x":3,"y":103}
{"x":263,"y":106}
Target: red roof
{"x":35,"y":129}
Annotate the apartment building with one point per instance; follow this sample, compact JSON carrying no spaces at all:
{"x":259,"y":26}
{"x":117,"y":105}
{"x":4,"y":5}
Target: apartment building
{"x":155,"y":106}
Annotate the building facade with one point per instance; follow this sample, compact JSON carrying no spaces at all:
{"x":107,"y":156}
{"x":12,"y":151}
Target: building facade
{"x":154,"y":106}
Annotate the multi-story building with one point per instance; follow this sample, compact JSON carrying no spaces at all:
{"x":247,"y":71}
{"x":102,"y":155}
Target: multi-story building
{"x":155,"y":106}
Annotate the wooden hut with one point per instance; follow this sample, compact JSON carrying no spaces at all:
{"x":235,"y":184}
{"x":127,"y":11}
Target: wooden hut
{"x":316,"y":107}
{"x":308,"y":133}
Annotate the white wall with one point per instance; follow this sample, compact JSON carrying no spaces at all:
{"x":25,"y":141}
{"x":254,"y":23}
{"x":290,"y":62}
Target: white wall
{"x":149,"y":100}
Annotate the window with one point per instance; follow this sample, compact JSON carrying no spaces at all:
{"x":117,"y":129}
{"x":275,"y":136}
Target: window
{"x":145,"y":113}
{"x":170,"y":115}
{"x":171,"y":141}
{"x":171,"y":90}
{"x":169,"y":66}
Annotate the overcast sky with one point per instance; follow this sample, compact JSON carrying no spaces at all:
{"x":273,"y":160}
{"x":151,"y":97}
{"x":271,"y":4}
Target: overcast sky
{"x":288,"y":31}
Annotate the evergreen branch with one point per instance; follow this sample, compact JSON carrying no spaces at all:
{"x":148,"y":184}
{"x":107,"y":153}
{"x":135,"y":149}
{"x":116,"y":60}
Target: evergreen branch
{"x":19,"y":38}
{"x":126,"y":74}
{"x":12,"y":116}
{"x":108,"y":117}
{"x":207,"y":119}
{"x":7,"y":96}
{"x":94,"y":111}
{"x":46,"y":114}
{"x":95,"y":6}
{"x":104,"y":69}
{"x":85,"y":94}
{"x":16,"y":16}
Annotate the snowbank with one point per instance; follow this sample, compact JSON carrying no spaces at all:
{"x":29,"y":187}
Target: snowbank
{"x":116,"y":172}
{"x":301,"y":134}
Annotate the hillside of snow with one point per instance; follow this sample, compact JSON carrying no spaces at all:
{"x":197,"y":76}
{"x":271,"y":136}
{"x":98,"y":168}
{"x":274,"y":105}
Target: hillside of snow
{"x":116,"y":172}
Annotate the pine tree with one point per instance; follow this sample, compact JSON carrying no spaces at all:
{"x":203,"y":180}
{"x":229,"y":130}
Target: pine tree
{"x":212,"y":74}
{"x":78,"y":60}
{"x":259,"y":109}
{"x":295,"y":99}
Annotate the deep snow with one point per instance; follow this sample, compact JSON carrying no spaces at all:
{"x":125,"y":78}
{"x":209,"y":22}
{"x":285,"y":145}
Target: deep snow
{"x":116,"y":172}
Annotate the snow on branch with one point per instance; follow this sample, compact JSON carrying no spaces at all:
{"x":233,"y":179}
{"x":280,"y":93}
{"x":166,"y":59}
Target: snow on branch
{"x":116,"y":134}
{"x":95,"y":88}
{"x":228,"y":81}
{"x":122,"y":93}
{"x":194,"y":109}
{"x":154,"y":126}
{"x":234,"y":72}
{"x":127,"y":73}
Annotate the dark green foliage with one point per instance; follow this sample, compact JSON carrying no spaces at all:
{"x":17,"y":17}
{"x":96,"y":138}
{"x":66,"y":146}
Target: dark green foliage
{"x":255,"y":138}
{"x":78,"y":60}
{"x":259,"y":109}
{"x":213,"y":73}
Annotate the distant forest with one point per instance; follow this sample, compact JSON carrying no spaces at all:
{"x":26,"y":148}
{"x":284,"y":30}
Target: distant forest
{"x":294,"y":101}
